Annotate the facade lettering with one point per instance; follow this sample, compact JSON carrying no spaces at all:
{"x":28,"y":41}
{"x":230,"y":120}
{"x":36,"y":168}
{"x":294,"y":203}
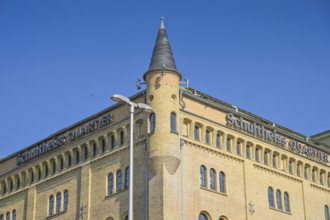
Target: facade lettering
{"x":45,"y":147}
{"x":261,"y":132}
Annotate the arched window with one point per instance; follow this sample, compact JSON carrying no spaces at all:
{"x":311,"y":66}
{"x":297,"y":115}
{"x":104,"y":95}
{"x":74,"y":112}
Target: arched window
{"x":298,"y":169}
{"x":69,"y":160}
{"x":306,"y":172}
{"x":218,"y":141}
{"x":212,"y":179}
{"x":321,"y":178}
{"x":85,"y":153}
{"x":266,"y":158}
{"x":126,"y":218}
{"x":11,"y":186}
{"x":46,"y":170}
{"x":238,"y":148}
{"x":58,"y":202}
{"x":196,"y":133}
{"x":248,"y":151}
{"x":122,"y":138}
{"x":222,"y":218}
{"x":127,"y":178}
{"x":326,"y":212}
{"x":173,"y":122}
{"x":1,"y":217}
{"x":39,"y":173}
{"x":77,"y":157}
{"x":271,"y":197}
{"x":278,"y":199}
{"x":202,"y":216}
{"x":257,"y":156}
{"x":286,"y":202}
{"x":152,"y":122}
{"x":314,"y":175}
{"x":274,"y":161}
{"x":8,"y":216}
{"x":14,"y":214}
{"x":95,"y":149}
{"x":110,"y":184}
{"x":18,"y":183}
{"x":112,"y":139}
{"x":51,"y":205}
{"x":32,"y":177}
{"x":103,"y":145}
{"x":4,"y":188}
{"x":119,"y":180}
{"x":61,"y":163}
{"x":328,"y":180}
{"x":207,"y":137}
{"x":228,"y":144}
{"x":290,"y":166}
{"x":54,"y":166}
{"x":203,"y":176}
{"x":66,"y":200}
{"x":222,"y":182}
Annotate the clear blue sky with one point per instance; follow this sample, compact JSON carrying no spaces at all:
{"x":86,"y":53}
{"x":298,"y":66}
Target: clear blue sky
{"x":60,"y":61}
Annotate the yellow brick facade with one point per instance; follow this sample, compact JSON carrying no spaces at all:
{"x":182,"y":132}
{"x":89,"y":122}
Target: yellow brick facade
{"x":86,"y":173}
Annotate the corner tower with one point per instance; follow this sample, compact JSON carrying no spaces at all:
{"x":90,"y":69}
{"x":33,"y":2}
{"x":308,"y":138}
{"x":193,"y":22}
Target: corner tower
{"x":162,"y":79}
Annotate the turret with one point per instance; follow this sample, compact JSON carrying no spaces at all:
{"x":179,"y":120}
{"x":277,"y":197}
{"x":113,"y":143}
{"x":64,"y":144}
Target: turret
{"x":162,"y":79}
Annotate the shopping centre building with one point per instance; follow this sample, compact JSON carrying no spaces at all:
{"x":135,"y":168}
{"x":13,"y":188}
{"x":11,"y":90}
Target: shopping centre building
{"x":195,"y":157}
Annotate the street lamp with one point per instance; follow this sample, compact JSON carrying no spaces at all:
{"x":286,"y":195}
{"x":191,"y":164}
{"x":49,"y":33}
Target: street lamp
{"x":145,"y":107}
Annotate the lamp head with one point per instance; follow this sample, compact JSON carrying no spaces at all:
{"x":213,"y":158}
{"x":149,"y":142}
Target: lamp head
{"x":121,"y":98}
{"x":145,"y":107}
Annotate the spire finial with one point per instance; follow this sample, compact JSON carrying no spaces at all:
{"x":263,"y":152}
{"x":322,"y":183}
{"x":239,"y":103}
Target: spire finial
{"x":162,"y":26}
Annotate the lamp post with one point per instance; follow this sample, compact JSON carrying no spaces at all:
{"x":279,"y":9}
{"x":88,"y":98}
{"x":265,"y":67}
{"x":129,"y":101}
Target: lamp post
{"x":123,"y":99}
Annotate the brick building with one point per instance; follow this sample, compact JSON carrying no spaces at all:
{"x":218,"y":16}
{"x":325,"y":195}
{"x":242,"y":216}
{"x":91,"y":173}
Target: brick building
{"x":195,"y":157}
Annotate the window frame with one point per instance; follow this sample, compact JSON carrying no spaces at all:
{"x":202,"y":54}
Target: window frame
{"x":119,"y":180}
{"x":271,"y":202}
{"x":286,"y":202}
{"x":58,"y":202}
{"x":203,"y":176}
{"x":110,"y":183}
{"x":212,"y":179}
{"x":173,"y":122}
{"x":222,"y":182}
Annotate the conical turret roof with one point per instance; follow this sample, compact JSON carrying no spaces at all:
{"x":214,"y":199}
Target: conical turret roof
{"x":162,"y":56}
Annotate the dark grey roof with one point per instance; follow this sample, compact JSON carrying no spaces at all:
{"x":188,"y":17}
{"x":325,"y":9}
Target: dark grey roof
{"x":162,"y":56}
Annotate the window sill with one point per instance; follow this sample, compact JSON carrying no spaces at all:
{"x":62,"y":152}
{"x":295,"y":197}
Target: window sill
{"x":56,"y":214}
{"x":213,"y":191}
{"x":115,"y":193}
{"x":279,"y":210}
{"x":174,"y":132}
